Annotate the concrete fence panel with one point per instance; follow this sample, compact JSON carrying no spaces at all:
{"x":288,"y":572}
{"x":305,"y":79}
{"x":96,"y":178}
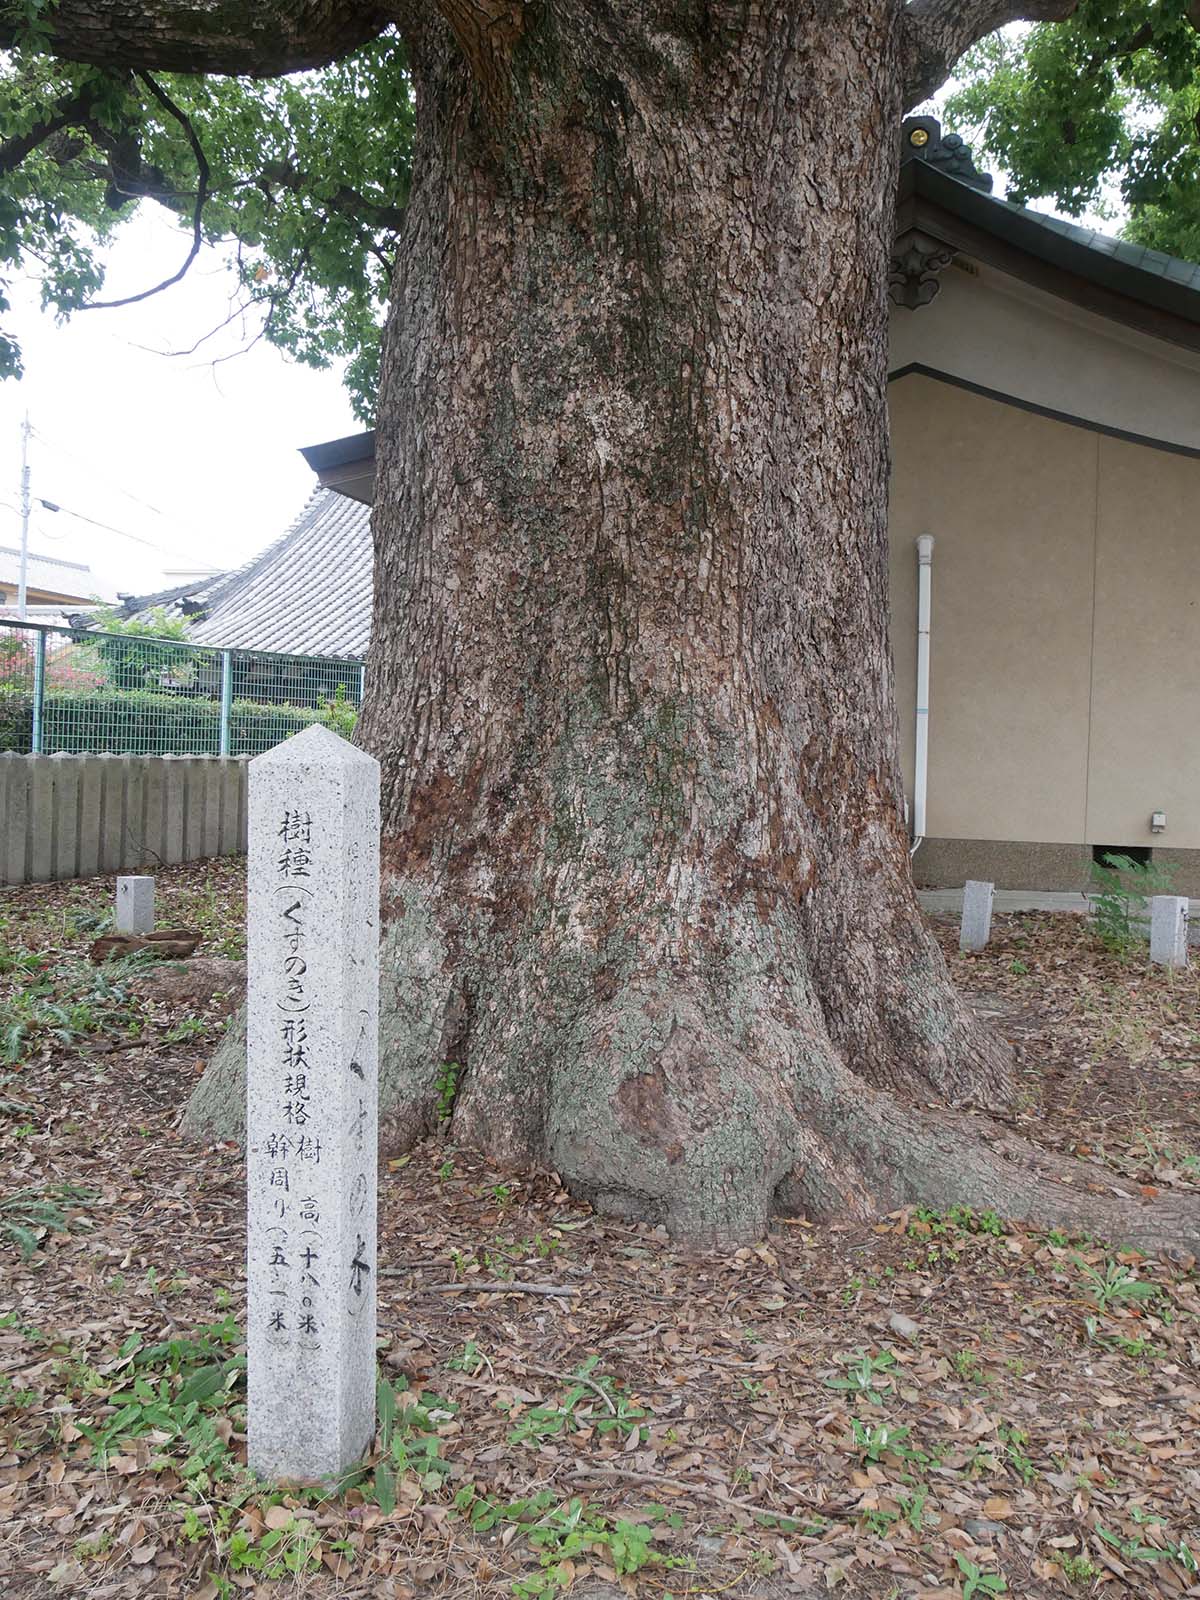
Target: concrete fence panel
{"x":72,"y":816}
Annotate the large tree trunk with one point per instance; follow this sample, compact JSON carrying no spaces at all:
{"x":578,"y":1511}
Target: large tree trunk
{"x":646,"y":874}
{"x":646,"y":861}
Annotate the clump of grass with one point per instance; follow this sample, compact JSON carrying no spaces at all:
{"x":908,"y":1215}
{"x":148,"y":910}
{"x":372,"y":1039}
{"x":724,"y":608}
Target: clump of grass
{"x":29,"y":1214}
{"x":65,"y":1001}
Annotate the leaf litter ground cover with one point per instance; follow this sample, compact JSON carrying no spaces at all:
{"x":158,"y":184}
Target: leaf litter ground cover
{"x":940,"y":1405}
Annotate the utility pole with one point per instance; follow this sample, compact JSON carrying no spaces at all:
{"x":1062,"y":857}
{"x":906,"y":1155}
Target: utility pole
{"x":22,"y":581}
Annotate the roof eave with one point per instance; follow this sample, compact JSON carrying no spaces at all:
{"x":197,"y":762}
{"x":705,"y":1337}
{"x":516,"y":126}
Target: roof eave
{"x":999,"y":235}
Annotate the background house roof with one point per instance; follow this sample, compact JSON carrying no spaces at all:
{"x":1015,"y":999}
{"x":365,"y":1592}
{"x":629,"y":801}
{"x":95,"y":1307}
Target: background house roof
{"x":309,"y":593}
{"x":347,"y":465}
{"x":73,"y":579}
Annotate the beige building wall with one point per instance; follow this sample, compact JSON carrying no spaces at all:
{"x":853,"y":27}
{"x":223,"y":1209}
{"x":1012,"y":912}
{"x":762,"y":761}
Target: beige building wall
{"x":989,"y":328}
{"x":1145,"y":743}
{"x":1065,"y":650}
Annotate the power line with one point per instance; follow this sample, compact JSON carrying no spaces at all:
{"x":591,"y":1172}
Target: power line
{"x":162,"y":550}
{"x":40,"y":527}
{"x":91,"y":466}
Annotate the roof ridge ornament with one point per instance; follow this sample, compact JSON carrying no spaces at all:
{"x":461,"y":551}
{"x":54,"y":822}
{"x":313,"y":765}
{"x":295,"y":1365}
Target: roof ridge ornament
{"x":922,"y":139}
{"x":918,"y":258}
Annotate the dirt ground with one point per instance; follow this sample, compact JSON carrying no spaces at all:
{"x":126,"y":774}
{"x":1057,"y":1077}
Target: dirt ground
{"x":940,"y":1405}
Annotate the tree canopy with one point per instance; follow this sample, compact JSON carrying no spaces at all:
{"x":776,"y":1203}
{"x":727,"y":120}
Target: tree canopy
{"x":307,"y":176}
{"x":1099,"y":111}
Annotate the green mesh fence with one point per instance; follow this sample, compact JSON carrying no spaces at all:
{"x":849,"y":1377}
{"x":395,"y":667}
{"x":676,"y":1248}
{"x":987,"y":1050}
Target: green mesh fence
{"x":62,"y":690}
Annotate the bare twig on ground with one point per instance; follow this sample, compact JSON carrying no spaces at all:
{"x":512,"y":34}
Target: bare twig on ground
{"x":554,"y":1289}
{"x":569,"y":1377}
{"x":707,"y":1491}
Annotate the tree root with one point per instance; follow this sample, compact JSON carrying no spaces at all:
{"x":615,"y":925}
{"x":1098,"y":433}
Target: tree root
{"x":704,"y":1100}
{"x":938,"y":1157}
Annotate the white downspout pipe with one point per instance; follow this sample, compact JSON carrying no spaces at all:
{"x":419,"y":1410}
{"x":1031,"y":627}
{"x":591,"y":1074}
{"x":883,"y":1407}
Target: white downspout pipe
{"x":921,"y":763}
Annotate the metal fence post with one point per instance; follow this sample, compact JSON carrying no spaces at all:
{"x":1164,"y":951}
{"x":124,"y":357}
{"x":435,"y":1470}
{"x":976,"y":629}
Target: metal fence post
{"x":362,"y":682}
{"x":39,"y":692}
{"x":226,"y":698}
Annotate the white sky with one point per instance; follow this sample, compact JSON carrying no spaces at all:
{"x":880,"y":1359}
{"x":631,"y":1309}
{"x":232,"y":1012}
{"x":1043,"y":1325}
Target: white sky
{"x":213,"y":449}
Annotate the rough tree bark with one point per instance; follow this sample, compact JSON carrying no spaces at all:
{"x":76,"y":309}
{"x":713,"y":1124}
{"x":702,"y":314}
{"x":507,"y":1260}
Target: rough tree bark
{"x":630,"y":682}
{"x":646,"y":870}
{"x":647,"y":874}
{"x":259,"y":38}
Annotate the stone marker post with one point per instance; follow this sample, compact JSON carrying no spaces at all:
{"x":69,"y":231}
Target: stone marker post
{"x":135,"y":905}
{"x":976,"y":926}
{"x":1169,"y":930}
{"x":312,"y":1027}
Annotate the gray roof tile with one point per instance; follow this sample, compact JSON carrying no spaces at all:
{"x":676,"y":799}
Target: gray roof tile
{"x":1133,"y":255}
{"x":307,"y":594}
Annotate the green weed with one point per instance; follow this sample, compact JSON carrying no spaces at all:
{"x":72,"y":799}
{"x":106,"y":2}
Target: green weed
{"x":470,"y":1360}
{"x":1077,"y":1569}
{"x":66,"y":1002}
{"x":1121,"y":895}
{"x":1134,"y":1550}
{"x":408,"y":1440}
{"x":1014,"y":1441}
{"x":447,"y":1090}
{"x":620,"y":1414}
{"x":976,"y":1580}
{"x":875,"y":1440}
{"x":29,"y":1214}
{"x":177,"y":1387}
{"x":913,"y":1507}
{"x":1116,"y":1285}
{"x":186,"y":1028}
{"x":867,"y":1376}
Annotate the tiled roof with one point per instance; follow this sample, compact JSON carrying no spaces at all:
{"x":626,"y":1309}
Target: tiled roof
{"x":308,"y":594}
{"x":47,"y":572}
{"x":1133,"y":255}
{"x":73,"y":578}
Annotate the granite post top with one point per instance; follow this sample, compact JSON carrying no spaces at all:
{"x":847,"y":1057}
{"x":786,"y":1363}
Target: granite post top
{"x":317,"y":746}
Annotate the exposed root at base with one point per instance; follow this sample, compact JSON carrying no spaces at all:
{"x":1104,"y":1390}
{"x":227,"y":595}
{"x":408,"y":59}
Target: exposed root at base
{"x":941,"y":1158}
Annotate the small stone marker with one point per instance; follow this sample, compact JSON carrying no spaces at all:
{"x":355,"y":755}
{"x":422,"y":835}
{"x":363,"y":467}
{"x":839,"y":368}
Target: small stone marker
{"x":976,"y":914}
{"x":1168,"y":930}
{"x":312,"y":1105}
{"x":135,"y":905}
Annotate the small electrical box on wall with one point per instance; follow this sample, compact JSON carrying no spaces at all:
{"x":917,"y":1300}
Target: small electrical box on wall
{"x":1158,"y":822}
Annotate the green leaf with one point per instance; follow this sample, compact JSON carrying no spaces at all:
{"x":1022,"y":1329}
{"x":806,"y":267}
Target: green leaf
{"x":202,"y":1385}
{"x":385,"y":1488}
{"x":385,"y":1405}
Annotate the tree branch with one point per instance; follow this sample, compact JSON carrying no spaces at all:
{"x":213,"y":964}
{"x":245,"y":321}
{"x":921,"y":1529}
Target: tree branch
{"x":263,"y":39}
{"x":486,"y":32}
{"x":938,"y":32}
{"x":184,"y":121}
{"x":345,"y":201}
{"x":1120,"y":49}
{"x":67,"y":113}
